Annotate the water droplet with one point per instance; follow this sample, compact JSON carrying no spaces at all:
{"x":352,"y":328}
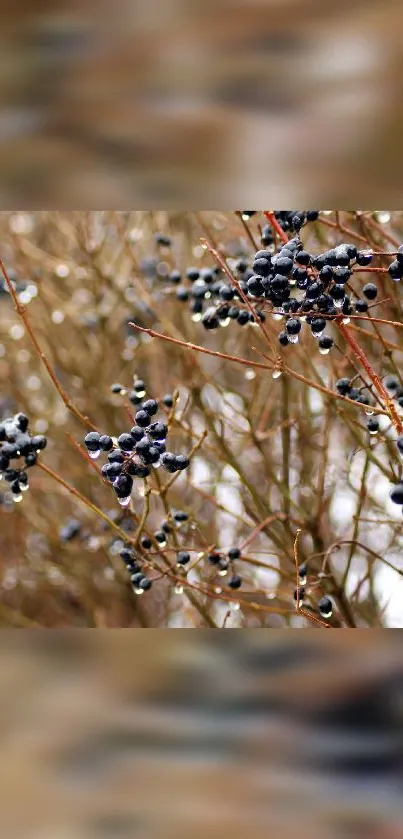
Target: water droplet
{"x":369,"y":412}
{"x":139,"y":591}
{"x":94,"y":455}
{"x":375,"y":431}
{"x":277,"y":316}
{"x":338,"y":304}
{"x":17,"y":498}
{"x":276,"y":374}
{"x":346,"y":321}
{"x":207,"y":295}
{"x":197,"y":317}
{"x":324,"y":350}
{"x":204,"y":246}
{"x":317,"y":334}
{"x":383,"y":218}
{"x":218,"y":590}
{"x":271,"y":595}
{"x":302,"y":581}
{"x":225,"y":322}
{"x":24,"y":487}
{"x":124,"y":501}
{"x":235,"y":607}
{"x":179,"y":589}
{"x":249,"y":375}
{"x":293,"y":339}
{"x":223,"y":572}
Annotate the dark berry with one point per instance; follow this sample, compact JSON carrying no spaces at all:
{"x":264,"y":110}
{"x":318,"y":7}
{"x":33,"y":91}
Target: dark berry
{"x":396,"y":270}
{"x":145,"y":584}
{"x":293,"y":326}
{"x":123,"y":485}
{"x":213,"y":557}
{"x":364,"y":258}
{"x":235,"y":581}
{"x":370,"y":291}
{"x":126,"y":442}
{"x":373,"y":425}
{"x":91,"y":441}
{"x":361,"y":306}
{"x":243,"y":317}
{"x":183,"y":558}
{"x":105,"y":443}
{"x":160,"y":537}
{"x":168,"y":400}
{"x":142,"y":418}
{"x":146,"y":543}
{"x":181,"y":516}
{"x":22,"y":421}
{"x":325,"y":607}
{"x":234,"y":553}
{"x":137,"y":433}
{"x":283,"y":339}
{"x":343,"y":386}
{"x":151,"y":406}
{"x":117,"y":388}
{"x":157,"y":430}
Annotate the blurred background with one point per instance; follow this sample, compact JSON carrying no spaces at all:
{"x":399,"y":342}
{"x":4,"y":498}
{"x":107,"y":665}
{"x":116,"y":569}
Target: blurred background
{"x":207,"y":104}
{"x":115,"y":736}
{"x":278,"y":456}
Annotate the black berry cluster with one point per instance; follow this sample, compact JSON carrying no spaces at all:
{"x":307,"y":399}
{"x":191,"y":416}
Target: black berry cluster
{"x":224,"y":564}
{"x":325,"y":605}
{"x":290,"y":282}
{"x":135,"y":453}
{"x":18,"y":452}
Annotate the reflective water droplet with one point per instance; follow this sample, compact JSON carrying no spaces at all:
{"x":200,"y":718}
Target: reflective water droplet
{"x":139,"y":591}
{"x":277,"y":316}
{"x":317,"y":334}
{"x":94,"y":455}
{"x":24,"y":487}
{"x":196,"y":317}
{"x":276,"y":374}
{"x":346,"y":320}
{"x":218,"y":590}
{"x":293,"y":339}
{"x":17,"y":498}
{"x":324,"y":351}
{"x":235,"y":607}
{"x":124,"y":501}
{"x":249,"y":375}
{"x":178,"y":589}
{"x":223,"y":572}
{"x":225,"y":322}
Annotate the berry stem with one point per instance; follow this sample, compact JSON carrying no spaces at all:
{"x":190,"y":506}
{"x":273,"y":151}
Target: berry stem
{"x":271,"y":218}
{"x":21,"y":311}
{"x":360,"y":354}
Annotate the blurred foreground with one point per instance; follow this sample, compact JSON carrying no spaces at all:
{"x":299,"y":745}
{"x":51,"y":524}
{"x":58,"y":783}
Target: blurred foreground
{"x":113,"y":736}
{"x":207,"y":104}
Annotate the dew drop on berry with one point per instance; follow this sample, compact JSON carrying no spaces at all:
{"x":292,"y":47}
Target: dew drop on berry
{"x":346,"y":321}
{"x":196,"y":317}
{"x":324,"y":350}
{"x":235,"y":606}
{"x":94,"y":455}
{"x":225,"y":322}
{"x":276,"y":374}
{"x":293,"y":339}
{"x":17,"y":498}
{"x":124,"y":501}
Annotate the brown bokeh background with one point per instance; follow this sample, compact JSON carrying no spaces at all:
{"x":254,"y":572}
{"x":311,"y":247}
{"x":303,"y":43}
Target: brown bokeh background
{"x":207,"y":104}
{"x":118,"y":736}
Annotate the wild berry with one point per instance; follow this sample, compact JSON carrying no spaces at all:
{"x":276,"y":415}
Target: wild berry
{"x":325,"y":344}
{"x":343,"y":386}
{"x":181,"y":516}
{"x":370,"y":291}
{"x":105,"y":443}
{"x":146,"y":543}
{"x":325,"y":607}
{"x":168,"y":400}
{"x":139,"y":387}
{"x":396,"y":494}
{"x":137,"y":433}
{"x":142,"y":418}
{"x":160,"y":537}
{"x":117,"y":388}
{"x":364,"y":258}
{"x":283,"y":339}
{"x":235,"y":581}
{"x":373,"y":425}
{"x":234,"y":553}
{"x":300,"y":594}
{"x":145,"y":584}
{"x":183,"y":558}
{"x":157,"y":430}
{"x":123,"y":485}
{"x":361,"y":306}
{"x":213,"y":557}
{"x":151,"y":406}
{"x":126,"y":442}
{"x":396,"y":270}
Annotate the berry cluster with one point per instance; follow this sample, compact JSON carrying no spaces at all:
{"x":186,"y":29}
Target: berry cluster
{"x":224,"y":564}
{"x":16,"y":444}
{"x":134,"y":562}
{"x":290,"y":282}
{"x":133,"y":454}
{"x":325,"y":606}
